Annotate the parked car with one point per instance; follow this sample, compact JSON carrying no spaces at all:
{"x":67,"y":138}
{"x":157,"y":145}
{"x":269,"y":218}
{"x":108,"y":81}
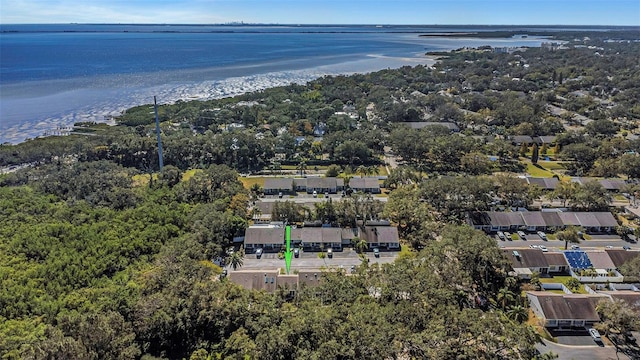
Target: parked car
{"x":626,"y":247}
{"x":376,"y":252}
{"x":280,"y":195}
{"x":259,"y":253}
{"x":296,"y":252}
{"x":507,"y":235}
{"x":575,"y":247}
{"x":522,"y":235}
{"x":595,"y":334}
{"x":315,"y":194}
{"x":543,"y":248}
{"x":542,"y":235}
{"x":501,"y":235}
{"x":330,"y":252}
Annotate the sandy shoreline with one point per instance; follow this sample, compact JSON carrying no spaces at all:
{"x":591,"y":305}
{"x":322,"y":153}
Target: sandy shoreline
{"x":102,"y":104}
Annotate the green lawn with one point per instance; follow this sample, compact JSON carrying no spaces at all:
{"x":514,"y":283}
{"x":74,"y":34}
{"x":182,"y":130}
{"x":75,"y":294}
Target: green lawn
{"x":552,"y":165}
{"x":249,"y":182}
{"x":555,"y":280}
{"x":535,"y":171}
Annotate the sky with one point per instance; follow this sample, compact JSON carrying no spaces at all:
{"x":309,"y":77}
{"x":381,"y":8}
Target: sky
{"x":427,"y":12}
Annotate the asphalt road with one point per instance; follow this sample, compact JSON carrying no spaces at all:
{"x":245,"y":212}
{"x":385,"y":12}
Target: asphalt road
{"x":589,"y":352}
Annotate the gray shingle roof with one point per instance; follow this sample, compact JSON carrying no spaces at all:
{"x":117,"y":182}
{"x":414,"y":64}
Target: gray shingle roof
{"x":278,"y":184}
{"x":364,"y":183}
{"x":264,"y":235}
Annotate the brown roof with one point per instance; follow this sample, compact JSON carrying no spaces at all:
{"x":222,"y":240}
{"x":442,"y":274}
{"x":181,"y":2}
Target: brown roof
{"x":568,"y":307}
{"x":264,"y":235}
{"x":309,"y":278}
{"x":321,"y":235}
{"x":505,"y":219}
{"x":630,"y":297}
{"x":380,"y":234}
{"x":528,"y":258}
{"x":600,"y":260}
{"x":620,"y":257}
{"x":533,"y":218}
{"x":256,"y":280}
{"x":569,"y":218}
{"x":552,"y":218}
{"x":554,"y":258}
{"x":348,"y":234}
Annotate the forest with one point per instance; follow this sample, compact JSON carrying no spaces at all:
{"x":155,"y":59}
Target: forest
{"x":104,"y":256}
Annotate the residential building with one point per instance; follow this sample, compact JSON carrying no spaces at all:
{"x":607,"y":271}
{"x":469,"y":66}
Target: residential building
{"x":527,"y":261}
{"x":269,"y":237}
{"x":381,"y":237}
{"x":366,"y":185}
{"x":557,"y":262}
{"x":493,"y":221}
{"x":323,"y":185}
{"x":565,"y":311}
{"x":272,"y":280}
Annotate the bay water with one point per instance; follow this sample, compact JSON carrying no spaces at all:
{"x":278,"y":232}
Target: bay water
{"x":52,"y":76}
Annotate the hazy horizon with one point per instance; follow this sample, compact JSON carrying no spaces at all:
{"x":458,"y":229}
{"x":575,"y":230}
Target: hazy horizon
{"x":329,"y":12}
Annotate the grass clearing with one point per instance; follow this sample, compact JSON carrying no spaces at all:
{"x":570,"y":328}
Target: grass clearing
{"x":250,"y":181}
{"x":142,"y":179}
{"x":189,"y":174}
{"x":535,"y":171}
{"x":555,"y":279}
{"x":552,"y":165}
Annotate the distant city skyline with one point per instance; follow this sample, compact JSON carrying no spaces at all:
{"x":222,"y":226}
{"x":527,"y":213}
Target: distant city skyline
{"x":400,"y":12}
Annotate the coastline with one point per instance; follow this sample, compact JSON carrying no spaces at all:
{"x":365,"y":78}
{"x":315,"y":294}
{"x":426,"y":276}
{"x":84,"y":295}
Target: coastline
{"x":104,"y":104}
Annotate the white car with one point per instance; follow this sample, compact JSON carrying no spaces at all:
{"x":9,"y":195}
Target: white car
{"x":542,"y":235}
{"x":501,"y":235}
{"x":595,"y":334}
{"x":543,"y":248}
{"x":522,"y":235}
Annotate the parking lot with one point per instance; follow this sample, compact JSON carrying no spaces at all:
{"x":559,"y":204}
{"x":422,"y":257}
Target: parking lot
{"x":310,"y":260}
{"x":599,"y":241}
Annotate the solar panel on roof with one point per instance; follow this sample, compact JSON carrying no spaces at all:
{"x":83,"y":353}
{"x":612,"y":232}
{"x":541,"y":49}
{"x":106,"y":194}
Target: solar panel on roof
{"x":578,"y":259}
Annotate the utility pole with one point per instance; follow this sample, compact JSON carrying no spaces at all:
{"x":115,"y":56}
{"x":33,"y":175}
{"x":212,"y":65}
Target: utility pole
{"x":155,"y":108}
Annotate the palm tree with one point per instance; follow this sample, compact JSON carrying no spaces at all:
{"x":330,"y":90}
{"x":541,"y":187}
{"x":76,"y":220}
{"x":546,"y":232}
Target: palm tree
{"x":569,"y":235}
{"x":359,"y":244}
{"x":362,"y":170}
{"x":302,"y":166}
{"x":505,"y":296}
{"x":518,"y":313}
{"x":237,"y":259}
{"x":374,"y":170}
